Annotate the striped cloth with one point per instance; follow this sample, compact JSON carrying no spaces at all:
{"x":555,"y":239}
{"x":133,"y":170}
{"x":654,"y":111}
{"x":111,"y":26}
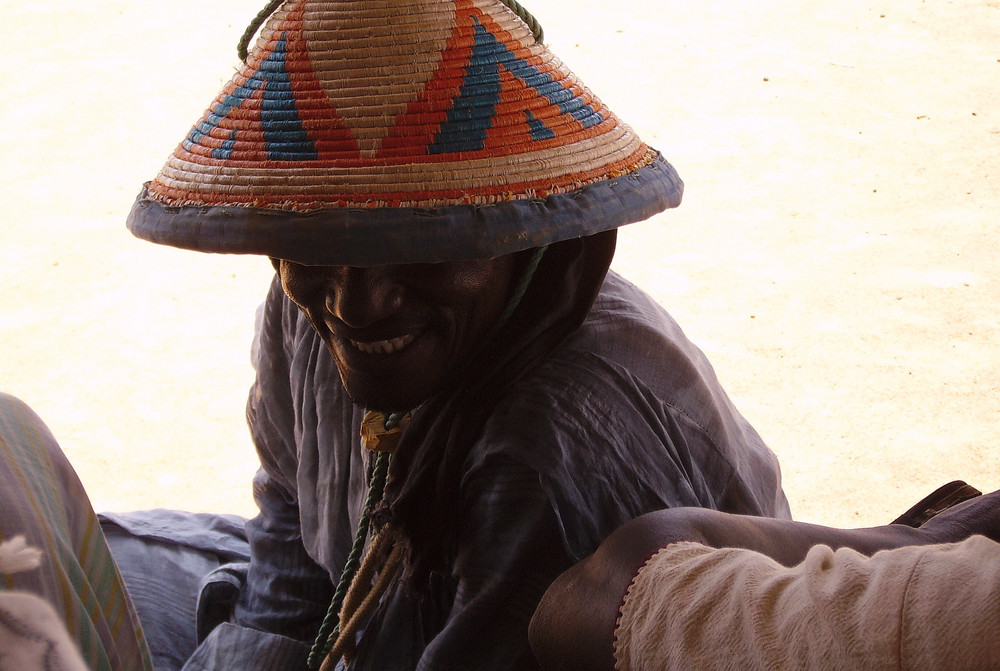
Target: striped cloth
{"x":42,"y":498}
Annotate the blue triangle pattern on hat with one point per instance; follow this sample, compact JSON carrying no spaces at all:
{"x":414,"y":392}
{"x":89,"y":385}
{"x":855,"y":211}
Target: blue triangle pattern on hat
{"x":471,"y":114}
{"x":469,"y":118}
{"x":539,"y":131}
{"x":285,"y":139}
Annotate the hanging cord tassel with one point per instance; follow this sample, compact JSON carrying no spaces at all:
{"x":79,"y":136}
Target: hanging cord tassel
{"x":243,"y":48}
{"x":363,"y":596}
{"x":329,"y":630}
{"x":380,"y":434}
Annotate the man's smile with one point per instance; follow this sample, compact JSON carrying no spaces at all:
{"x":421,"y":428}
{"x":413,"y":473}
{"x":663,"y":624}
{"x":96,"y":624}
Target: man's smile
{"x":383,"y":346}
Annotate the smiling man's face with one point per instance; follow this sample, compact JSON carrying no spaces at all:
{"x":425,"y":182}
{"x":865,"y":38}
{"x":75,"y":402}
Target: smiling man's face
{"x":396,"y":332}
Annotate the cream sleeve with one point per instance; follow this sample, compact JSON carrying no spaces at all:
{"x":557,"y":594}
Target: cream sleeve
{"x":913,"y":608}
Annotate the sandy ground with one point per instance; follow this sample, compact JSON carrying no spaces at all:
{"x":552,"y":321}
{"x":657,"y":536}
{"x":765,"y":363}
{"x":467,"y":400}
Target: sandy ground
{"x":835,"y":255}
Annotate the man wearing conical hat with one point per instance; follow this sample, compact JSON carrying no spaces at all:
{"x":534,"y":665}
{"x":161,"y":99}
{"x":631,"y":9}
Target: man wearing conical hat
{"x":455,"y":399}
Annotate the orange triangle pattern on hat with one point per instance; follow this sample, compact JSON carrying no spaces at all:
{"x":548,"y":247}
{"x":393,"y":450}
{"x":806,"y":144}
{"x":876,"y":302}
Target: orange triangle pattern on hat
{"x":419,"y":112}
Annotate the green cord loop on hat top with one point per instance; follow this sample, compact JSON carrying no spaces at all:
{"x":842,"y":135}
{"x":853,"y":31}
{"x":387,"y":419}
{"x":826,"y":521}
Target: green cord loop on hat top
{"x":366,"y":132}
{"x":243,"y":48}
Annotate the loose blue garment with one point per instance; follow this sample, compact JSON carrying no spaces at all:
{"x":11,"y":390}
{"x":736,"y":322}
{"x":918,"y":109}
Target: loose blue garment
{"x":625,"y":417}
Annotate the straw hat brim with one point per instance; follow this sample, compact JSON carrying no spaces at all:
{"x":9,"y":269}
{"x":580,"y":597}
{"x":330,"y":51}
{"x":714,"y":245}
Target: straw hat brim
{"x":389,"y":235}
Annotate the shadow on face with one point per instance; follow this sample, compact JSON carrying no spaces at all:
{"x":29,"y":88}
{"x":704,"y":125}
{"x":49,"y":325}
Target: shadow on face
{"x":397,"y":332}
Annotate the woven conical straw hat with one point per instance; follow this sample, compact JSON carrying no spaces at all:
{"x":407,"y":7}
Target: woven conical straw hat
{"x":363,"y":132}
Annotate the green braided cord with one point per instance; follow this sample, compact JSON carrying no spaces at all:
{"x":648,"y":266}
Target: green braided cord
{"x":525,"y":15}
{"x":392,"y":420}
{"x":522,"y":286}
{"x":376,"y":490}
{"x":331,"y":626}
{"x":243,"y":48}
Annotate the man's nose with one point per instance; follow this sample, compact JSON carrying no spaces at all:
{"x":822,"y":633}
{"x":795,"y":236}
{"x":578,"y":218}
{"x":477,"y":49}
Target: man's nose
{"x":360,"y":297}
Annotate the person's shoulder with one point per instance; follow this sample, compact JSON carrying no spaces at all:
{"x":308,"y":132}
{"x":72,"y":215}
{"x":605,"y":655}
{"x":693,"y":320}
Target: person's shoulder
{"x":575,"y":381}
{"x":630,"y":331}
{"x":576,"y":405}
{"x":628,"y":326}
{"x":619,"y":298}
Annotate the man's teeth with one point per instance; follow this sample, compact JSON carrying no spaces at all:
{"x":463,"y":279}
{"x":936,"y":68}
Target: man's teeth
{"x":384,"y":346}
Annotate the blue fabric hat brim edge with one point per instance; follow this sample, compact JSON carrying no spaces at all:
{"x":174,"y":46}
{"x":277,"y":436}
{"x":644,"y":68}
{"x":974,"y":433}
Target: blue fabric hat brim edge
{"x":378,"y":236}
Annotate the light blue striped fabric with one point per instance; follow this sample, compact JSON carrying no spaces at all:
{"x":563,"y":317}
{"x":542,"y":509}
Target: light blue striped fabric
{"x":42,"y":498}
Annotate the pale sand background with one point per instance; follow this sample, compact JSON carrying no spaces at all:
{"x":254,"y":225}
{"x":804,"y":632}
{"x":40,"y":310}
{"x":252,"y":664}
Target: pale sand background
{"x":835,"y":255}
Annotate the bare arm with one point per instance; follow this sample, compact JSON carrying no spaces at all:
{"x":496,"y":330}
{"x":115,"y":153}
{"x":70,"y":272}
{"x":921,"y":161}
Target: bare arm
{"x":574,"y":624}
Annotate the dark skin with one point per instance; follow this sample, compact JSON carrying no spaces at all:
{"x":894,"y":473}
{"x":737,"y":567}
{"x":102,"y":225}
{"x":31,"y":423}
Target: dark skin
{"x":396,"y":332}
{"x":573,"y":627}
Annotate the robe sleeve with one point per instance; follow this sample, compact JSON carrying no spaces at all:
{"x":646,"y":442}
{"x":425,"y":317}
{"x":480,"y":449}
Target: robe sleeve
{"x":921,"y":607}
{"x":286,"y":594}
